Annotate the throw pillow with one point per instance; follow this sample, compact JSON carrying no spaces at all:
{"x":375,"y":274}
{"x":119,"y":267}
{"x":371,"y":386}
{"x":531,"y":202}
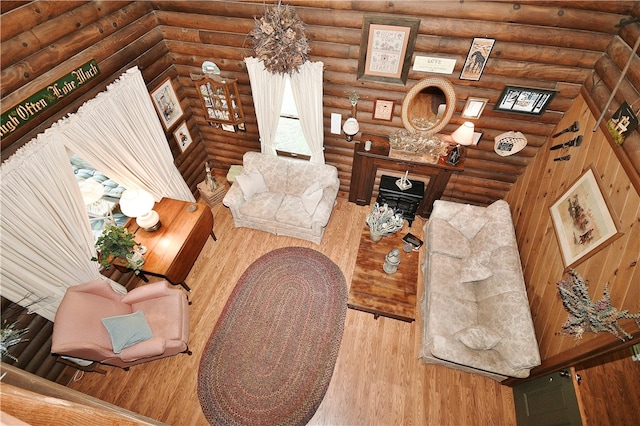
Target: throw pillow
{"x":445,"y":239}
{"x":127,"y":330}
{"x":469,"y":220}
{"x":475,"y":267}
{"x":251,"y":183}
{"x":311,"y":197}
{"x":478,"y":337}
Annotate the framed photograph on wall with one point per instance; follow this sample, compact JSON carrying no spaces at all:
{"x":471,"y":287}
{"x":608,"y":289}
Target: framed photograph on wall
{"x":167,"y":104}
{"x":383,"y":110}
{"x":386,"y":48}
{"x":583,"y":219}
{"x":476,"y":58}
{"x":524,"y":100}
{"x":474,"y":107}
{"x":182,"y":136}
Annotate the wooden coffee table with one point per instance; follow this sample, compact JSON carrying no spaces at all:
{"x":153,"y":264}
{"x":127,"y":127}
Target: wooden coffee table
{"x":373,"y":290}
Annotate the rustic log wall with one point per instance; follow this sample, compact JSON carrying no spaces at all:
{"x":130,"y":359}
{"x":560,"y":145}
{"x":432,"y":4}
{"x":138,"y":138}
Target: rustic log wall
{"x":553,"y":45}
{"x":564,"y":45}
{"x":616,"y":264}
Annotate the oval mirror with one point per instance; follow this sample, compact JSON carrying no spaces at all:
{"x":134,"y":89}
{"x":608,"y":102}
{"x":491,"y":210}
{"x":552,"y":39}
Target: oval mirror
{"x":429,"y":105}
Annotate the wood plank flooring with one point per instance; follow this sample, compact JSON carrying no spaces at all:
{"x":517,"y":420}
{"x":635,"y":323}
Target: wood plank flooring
{"x":378,"y":379}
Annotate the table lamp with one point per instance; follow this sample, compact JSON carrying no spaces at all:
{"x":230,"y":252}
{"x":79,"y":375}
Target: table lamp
{"x":139,"y":204}
{"x":463,"y":135}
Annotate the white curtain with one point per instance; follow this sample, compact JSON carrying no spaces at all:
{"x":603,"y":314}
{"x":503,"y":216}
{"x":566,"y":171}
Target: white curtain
{"x":118,"y":133}
{"x":267,"y":90}
{"x":46,"y":242}
{"x":307,"y":92}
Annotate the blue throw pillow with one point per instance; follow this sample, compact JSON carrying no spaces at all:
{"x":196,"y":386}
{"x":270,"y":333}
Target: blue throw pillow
{"x":127,"y":330}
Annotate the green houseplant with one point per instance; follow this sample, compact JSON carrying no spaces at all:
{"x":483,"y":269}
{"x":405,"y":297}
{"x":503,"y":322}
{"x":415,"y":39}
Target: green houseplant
{"x":116,"y":245}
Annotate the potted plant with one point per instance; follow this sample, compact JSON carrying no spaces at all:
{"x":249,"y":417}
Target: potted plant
{"x":383,"y":221}
{"x":116,"y":244}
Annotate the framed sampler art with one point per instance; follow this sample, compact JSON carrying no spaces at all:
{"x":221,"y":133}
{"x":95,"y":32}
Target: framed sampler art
{"x":386,"y":48}
{"x":524,"y":100}
{"x":474,"y":107}
{"x":583,"y":220}
{"x":383,"y":110}
{"x":167,"y":104}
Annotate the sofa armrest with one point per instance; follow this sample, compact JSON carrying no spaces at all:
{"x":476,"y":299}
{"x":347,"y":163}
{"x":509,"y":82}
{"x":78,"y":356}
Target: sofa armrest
{"x":233,"y":198}
{"x":146,"y":349}
{"x":148,"y":291}
{"x":325,"y":207}
{"x":97,"y":287}
{"x":449,"y":349}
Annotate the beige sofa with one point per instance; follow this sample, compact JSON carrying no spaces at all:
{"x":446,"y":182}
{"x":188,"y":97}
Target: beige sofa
{"x":284,"y":196}
{"x":475,"y":309}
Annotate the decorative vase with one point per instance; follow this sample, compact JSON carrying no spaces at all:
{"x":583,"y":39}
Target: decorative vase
{"x":375,"y":237}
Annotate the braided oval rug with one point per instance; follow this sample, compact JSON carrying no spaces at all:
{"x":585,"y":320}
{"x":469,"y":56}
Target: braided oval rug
{"x":272,"y":352}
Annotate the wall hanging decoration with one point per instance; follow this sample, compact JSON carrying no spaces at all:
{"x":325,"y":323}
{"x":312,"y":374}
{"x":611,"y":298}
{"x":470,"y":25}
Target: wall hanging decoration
{"x":167,"y":104}
{"x":383,"y":110}
{"x":585,"y":315}
{"x":280,"y":40}
{"x":583,"y":220}
{"x":474,"y":107}
{"x":386,"y":48}
{"x":623,"y":122}
{"x":524,"y":100}
{"x":476,"y":58}
{"x":182,"y":136}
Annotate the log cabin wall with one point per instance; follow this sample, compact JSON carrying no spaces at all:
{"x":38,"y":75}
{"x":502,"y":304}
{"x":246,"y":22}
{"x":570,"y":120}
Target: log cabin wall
{"x":564,"y":45}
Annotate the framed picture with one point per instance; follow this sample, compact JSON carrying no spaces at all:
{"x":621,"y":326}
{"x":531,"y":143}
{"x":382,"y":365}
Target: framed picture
{"x":228,"y":128}
{"x":476,"y":58}
{"x":476,"y":137}
{"x":583,"y":220}
{"x":182,"y":136}
{"x":474,"y":107}
{"x":386,"y":48}
{"x":524,"y":100}
{"x":383,"y":110}
{"x":167,"y":104}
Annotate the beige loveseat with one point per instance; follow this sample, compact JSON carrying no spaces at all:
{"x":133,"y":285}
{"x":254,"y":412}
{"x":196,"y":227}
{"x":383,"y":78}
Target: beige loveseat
{"x":475,"y":309}
{"x":284,"y":196}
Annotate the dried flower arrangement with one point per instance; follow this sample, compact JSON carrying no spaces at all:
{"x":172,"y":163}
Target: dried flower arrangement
{"x":279,"y":39}
{"x":383,"y":220}
{"x":586,"y":315}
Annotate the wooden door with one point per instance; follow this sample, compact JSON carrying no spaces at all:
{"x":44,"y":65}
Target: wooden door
{"x":549,"y":400}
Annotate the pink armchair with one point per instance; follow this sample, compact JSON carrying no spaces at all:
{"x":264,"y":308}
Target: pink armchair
{"x":79,"y":332}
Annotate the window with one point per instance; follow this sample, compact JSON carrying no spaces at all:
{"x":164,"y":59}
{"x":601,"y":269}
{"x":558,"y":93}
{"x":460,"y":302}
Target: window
{"x":289,"y":135}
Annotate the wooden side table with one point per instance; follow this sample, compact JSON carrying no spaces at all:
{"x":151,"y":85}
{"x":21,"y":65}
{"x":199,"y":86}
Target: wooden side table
{"x":173,"y":249}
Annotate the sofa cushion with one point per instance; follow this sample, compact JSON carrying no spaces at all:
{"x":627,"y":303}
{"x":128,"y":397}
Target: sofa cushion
{"x":506,"y":274}
{"x":469,"y":220}
{"x":478,"y":337}
{"x":475,"y":268}
{"x":447,"y":315}
{"x":292,"y":212}
{"x":444,"y":277}
{"x":509,"y":315}
{"x":251,"y":183}
{"x":127,"y":330}
{"x":311,"y":197}
{"x":445,"y":239}
{"x":262,"y":206}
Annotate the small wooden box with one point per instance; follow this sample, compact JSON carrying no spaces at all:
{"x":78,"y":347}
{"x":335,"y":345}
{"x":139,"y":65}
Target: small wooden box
{"x":212,"y":198}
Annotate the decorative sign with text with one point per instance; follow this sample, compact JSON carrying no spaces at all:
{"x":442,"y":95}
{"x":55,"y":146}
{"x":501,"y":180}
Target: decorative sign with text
{"x":39,"y":102}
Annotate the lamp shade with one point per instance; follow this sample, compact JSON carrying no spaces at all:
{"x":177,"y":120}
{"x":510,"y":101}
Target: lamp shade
{"x":463,"y":135}
{"x":351,"y":127}
{"x":139,"y":204}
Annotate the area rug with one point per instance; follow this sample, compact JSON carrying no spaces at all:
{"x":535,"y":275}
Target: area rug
{"x":272,"y":352}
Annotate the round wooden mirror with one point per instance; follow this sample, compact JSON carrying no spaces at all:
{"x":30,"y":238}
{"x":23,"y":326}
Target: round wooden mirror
{"x":429,"y":105}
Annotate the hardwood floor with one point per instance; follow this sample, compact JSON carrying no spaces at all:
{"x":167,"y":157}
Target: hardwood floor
{"x":378,"y":379}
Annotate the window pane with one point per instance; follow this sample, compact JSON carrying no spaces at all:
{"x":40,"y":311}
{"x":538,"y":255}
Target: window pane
{"x":289,"y":136}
